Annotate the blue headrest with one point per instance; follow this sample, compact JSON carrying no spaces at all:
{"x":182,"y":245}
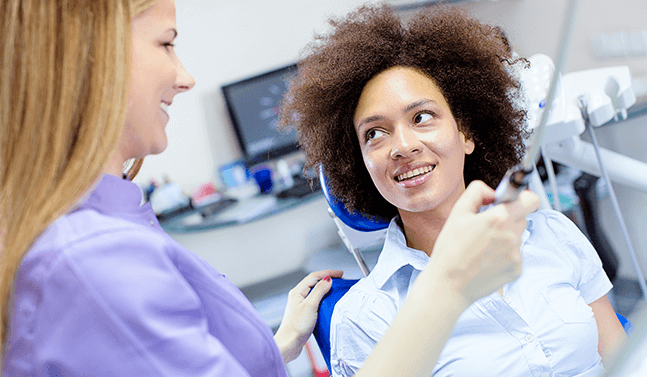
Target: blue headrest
{"x":355,"y":220}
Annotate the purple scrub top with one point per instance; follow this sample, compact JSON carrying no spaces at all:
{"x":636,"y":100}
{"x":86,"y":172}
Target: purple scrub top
{"x":104,"y":291}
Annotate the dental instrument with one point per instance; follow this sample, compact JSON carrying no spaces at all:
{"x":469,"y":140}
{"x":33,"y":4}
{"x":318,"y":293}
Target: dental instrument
{"x":518,"y":177}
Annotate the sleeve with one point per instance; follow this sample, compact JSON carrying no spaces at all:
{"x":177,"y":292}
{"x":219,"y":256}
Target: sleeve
{"x":593,"y":281}
{"x":359,"y":321}
{"x":115,"y":305}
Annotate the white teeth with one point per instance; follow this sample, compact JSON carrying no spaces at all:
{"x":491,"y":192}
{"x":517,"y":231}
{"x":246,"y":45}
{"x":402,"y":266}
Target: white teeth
{"x":414,"y":172}
{"x":164,"y":106}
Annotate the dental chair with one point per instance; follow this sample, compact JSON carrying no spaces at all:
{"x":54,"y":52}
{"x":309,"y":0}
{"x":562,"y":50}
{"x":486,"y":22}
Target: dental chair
{"x":361,"y":222}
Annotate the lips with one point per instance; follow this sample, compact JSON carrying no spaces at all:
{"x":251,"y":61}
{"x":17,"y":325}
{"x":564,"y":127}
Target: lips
{"x":413,"y":173}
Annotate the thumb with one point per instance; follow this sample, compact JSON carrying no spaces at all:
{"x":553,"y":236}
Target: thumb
{"x":319,"y":290}
{"x":476,"y":195}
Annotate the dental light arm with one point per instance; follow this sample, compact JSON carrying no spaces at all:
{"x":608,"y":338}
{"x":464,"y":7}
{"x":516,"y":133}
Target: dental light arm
{"x":608,"y":93}
{"x":580,"y":154}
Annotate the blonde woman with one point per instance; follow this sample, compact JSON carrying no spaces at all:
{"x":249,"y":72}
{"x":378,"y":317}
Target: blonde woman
{"x":91,"y":285}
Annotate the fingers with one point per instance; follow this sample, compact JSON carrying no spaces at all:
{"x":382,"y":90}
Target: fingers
{"x":476,"y":195}
{"x":319,"y":290}
{"x":527,"y":203}
{"x":305,"y":285}
{"x":514,"y":213}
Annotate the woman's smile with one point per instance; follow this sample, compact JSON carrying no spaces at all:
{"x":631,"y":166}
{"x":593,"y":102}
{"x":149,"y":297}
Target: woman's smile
{"x":415,"y":174}
{"x":164,"y":108}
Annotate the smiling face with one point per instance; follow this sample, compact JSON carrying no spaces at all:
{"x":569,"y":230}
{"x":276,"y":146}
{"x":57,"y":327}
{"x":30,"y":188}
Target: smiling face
{"x":410,"y":142}
{"x":157,"y":75}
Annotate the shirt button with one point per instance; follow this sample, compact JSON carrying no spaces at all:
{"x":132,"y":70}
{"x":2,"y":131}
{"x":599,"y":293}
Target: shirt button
{"x":529,"y":338}
{"x":544,"y":374}
{"x":506,"y":299}
{"x":152,"y":223}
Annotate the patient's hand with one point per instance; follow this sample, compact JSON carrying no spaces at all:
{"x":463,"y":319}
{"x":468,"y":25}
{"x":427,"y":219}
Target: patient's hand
{"x":480,"y":252}
{"x":301,"y":312}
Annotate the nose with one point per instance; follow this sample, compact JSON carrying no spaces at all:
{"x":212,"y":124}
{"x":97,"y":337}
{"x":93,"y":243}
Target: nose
{"x":405,"y":143}
{"x":184,"y":81}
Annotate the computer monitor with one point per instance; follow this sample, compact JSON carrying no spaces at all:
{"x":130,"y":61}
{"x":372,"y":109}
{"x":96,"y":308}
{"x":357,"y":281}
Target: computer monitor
{"x":253,"y":106}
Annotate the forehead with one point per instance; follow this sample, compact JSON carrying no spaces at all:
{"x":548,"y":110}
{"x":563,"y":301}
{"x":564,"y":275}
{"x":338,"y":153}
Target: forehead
{"x":160,"y":15}
{"x":399,"y":78}
{"x":392,"y":88}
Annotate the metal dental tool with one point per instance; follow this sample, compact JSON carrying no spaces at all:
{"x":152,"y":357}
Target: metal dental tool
{"x":518,"y":177}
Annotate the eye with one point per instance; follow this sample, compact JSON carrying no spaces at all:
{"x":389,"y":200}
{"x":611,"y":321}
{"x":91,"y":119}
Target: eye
{"x":422,"y":117}
{"x":373,"y":133}
{"x":168,"y":45}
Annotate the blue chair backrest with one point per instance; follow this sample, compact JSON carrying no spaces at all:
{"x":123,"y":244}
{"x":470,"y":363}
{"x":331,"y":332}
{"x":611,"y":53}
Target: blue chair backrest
{"x":355,"y":220}
{"x":322,"y":328}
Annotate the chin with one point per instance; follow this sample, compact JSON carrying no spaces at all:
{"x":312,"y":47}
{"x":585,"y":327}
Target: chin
{"x":159,"y":147}
{"x":157,"y":150}
{"x":419,"y":205}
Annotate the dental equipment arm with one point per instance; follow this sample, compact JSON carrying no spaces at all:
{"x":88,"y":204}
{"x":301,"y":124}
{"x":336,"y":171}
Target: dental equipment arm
{"x":518,"y":177}
{"x":581,"y":155}
{"x":599,"y":95}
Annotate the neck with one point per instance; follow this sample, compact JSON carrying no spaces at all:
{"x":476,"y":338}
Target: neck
{"x":421,"y":229}
{"x":115,"y":166}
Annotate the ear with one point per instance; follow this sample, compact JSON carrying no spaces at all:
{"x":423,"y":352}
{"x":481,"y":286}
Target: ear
{"x":468,"y":144}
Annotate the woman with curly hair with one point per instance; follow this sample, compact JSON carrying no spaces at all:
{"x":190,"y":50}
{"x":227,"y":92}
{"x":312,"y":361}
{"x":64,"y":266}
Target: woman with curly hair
{"x":402,"y":118}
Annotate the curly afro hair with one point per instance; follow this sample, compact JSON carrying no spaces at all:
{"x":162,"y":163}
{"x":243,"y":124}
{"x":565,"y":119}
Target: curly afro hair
{"x":467,"y":60}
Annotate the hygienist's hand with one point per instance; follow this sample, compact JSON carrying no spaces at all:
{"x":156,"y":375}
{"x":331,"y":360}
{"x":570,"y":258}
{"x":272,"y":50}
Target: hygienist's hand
{"x":301,"y":312}
{"x":480,"y":252}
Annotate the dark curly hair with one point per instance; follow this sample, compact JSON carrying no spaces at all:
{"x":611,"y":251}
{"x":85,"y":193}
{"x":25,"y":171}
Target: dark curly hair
{"x":466,"y":59}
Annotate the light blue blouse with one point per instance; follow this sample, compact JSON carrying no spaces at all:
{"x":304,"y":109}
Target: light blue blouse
{"x":541,"y":326}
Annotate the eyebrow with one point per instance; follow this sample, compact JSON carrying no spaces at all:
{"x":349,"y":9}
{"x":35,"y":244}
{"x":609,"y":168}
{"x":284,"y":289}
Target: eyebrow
{"x":418,"y":104}
{"x":411,"y":106}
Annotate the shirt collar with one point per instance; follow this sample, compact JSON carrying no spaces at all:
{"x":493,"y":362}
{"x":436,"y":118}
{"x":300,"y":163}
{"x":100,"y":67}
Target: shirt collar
{"x":114,"y":194}
{"x":526,"y":232}
{"x":396,"y":254}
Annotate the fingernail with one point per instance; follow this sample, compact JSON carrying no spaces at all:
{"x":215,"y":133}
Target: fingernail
{"x":327,"y":278}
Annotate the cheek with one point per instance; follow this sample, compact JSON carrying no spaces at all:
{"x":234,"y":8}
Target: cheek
{"x":447,"y":145}
{"x":377,"y":172}
{"x":372,"y":166}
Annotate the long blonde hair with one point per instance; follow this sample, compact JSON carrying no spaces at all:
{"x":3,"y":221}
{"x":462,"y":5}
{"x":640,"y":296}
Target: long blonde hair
{"x":64,"y":71}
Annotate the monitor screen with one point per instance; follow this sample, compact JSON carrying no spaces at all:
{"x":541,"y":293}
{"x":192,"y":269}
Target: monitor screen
{"x":253,"y":106}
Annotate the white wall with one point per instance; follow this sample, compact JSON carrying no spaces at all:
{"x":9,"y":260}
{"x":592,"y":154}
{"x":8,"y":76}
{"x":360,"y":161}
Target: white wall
{"x":220,"y":42}
{"x":534,"y":26}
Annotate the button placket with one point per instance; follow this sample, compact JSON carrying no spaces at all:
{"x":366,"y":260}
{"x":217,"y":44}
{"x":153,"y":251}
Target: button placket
{"x":515,"y":324}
